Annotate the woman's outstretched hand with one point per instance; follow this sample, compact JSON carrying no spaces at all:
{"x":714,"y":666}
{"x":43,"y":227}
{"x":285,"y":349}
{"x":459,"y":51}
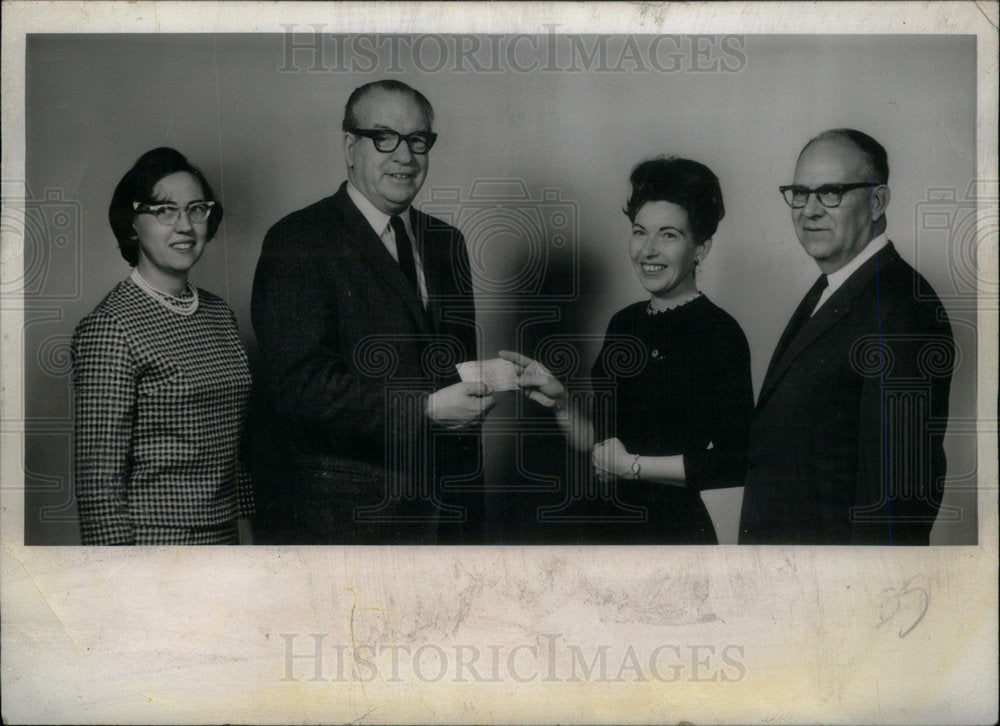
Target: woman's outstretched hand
{"x":611,"y":459}
{"x":536,"y":382}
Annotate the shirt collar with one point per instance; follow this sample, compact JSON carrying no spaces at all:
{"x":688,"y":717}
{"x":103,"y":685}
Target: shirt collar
{"x":838,"y":278}
{"x":378,"y":219}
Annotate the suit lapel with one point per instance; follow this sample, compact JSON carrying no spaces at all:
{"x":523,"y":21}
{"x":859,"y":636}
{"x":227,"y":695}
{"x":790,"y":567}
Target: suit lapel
{"x":799,"y":317}
{"x":432,"y":249}
{"x":833,"y":311}
{"x":364,"y":240}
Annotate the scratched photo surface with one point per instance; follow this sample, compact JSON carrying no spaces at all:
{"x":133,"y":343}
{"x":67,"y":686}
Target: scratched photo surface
{"x":541,"y":112}
{"x":537,"y":136}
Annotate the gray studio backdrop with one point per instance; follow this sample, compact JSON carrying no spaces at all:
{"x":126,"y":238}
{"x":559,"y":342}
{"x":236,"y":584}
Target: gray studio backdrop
{"x":537,"y":138}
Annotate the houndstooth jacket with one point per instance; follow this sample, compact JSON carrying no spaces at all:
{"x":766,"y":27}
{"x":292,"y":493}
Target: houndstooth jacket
{"x":160,"y":404}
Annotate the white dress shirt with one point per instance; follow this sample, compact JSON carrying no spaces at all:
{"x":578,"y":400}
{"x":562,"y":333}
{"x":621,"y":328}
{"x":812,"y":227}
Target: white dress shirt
{"x":835,"y":279}
{"x":379,"y":222}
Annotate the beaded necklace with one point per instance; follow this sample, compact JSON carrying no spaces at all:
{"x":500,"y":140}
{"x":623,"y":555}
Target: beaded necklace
{"x":650,"y":310}
{"x":182,"y":305}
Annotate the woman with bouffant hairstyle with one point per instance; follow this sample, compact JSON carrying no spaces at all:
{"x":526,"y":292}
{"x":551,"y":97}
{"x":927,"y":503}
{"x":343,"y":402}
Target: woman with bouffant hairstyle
{"x":160,"y":376}
{"x":682,"y":393}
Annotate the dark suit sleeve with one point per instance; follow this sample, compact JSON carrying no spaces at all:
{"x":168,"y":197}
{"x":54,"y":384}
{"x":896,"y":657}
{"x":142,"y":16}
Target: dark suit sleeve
{"x":903,"y":412}
{"x":308,"y":375}
{"x":731,"y":404}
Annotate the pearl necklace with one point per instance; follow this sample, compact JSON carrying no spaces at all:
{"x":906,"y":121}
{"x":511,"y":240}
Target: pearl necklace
{"x":673,"y":306}
{"x":186,"y":305}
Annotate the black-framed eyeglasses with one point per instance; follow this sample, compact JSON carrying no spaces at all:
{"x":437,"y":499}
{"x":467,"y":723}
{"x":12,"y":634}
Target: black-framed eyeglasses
{"x":168,"y":214}
{"x":387,"y":140}
{"x":829,"y":195}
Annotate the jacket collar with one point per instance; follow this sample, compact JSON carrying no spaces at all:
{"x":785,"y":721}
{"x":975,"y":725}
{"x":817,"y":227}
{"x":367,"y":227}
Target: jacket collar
{"x":829,"y":314}
{"x":378,"y":219}
{"x":362,"y":238}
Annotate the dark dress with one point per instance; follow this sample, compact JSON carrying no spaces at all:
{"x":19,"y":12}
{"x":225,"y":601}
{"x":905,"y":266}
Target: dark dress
{"x":673,"y":383}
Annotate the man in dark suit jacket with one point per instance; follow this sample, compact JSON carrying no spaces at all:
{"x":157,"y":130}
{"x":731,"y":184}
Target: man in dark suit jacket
{"x":362,"y":306}
{"x":846,"y":445}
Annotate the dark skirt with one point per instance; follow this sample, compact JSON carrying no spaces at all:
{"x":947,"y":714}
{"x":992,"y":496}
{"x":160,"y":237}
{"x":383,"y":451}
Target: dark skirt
{"x":644,"y":513}
{"x":617,"y":513}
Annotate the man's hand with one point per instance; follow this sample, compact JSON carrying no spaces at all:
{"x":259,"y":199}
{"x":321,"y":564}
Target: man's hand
{"x":536,"y":382}
{"x":460,"y":405}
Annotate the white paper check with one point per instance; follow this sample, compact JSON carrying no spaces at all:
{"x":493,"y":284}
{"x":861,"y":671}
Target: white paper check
{"x":497,"y":373}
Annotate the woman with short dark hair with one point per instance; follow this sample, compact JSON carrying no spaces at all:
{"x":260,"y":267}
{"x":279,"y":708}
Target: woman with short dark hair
{"x":160,"y":376}
{"x":677,"y":365}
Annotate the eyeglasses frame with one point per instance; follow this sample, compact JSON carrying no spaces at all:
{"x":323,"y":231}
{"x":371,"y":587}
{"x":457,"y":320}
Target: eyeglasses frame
{"x":840,"y":188}
{"x":429,"y":137}
{"x":144,"y":208}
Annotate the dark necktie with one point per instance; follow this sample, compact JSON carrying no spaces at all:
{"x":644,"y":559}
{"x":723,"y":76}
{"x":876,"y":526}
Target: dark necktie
{"x":404,"y":251}
{"x":812,"y":297}
{"x":802,"y":314}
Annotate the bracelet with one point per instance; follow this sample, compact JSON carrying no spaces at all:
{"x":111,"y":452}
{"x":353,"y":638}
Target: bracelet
{"x":636,"y":468}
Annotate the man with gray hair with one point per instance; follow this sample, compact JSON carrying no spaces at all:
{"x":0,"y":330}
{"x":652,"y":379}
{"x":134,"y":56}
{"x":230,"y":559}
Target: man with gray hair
{"x":846,"y":443}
